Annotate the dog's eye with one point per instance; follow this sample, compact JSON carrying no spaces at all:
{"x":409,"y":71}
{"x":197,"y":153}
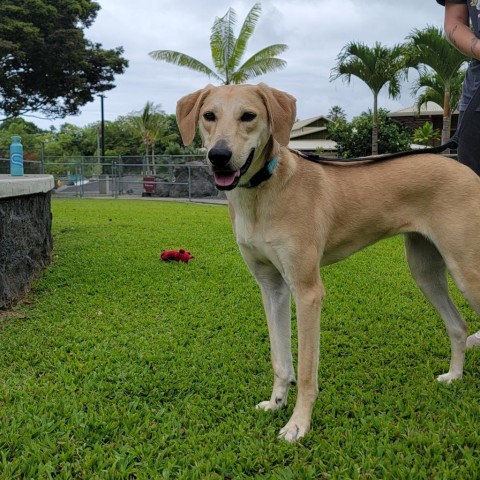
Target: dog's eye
{"x":209,"y":116}
{"x":247,"y":116}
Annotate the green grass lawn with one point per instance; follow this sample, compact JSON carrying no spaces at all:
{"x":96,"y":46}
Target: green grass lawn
{"x":122,"y":366}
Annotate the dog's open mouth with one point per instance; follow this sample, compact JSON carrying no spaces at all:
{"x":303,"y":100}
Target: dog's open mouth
{"x":228,"y":179}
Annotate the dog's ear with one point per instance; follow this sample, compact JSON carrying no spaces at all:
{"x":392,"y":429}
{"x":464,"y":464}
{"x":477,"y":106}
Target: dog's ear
{"x":281,"y":108}
{"x":187,"y":113}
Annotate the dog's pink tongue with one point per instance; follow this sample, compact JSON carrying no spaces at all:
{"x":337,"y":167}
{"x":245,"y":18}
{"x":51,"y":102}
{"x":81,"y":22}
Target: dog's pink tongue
{"x":225,"y":180}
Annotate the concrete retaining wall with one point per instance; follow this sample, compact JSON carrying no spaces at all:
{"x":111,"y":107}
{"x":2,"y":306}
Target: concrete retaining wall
{"x":25,"y":233}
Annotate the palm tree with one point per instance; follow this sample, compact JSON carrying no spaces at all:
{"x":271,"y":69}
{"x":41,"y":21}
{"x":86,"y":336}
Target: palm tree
{"x":337,"y":113}
{"x":430,"y":48}
{"x":434,"y":89}
{"x":150,"y":124}
{"x":228,"y":50}
{"x":377,"y":67}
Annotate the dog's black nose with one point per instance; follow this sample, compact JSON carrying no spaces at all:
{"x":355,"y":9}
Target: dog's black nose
{"x":219,"y":156}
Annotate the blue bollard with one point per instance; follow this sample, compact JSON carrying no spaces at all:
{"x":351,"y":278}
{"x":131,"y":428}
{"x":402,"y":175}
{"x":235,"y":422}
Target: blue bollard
{"x":16,"y":156}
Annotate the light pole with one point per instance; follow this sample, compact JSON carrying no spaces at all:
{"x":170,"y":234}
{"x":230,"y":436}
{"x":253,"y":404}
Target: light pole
{"x":102,"y":126}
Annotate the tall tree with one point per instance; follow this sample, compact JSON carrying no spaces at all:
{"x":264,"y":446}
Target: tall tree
{"x":377,"y":67}
{"x":46,"y":63}
{"x":353,"y":140}
{"x":18,"y":126}
{"x":337,"y":113}
{"x":228,"y":50}
{"x":151,"y":126}
{"x":430,"y":48}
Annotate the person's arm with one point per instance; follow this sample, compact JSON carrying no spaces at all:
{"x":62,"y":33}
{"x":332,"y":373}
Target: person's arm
{"x":458,"y":31}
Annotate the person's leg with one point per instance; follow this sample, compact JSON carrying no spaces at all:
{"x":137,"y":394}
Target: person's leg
{"x":469,"y":154}
{"x":469,"y":143}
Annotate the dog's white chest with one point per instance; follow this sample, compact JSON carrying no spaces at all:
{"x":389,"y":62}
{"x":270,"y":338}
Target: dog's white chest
{"x":246,"y":232}
{"x":253,"y":231}
{"x":253,"y":237}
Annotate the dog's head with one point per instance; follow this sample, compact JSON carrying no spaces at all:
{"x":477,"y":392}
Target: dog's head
{"x":236,"y":122}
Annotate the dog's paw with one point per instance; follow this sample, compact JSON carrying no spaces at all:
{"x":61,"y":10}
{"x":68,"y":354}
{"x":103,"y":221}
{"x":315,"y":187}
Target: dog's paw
{"x":473,"y":340}
{"x":294,"y":430}
{"x":269,"y":405}
{"x":449,"y":377}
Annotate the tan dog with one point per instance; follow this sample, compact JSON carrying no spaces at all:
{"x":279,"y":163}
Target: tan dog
{"x":291,"y":216}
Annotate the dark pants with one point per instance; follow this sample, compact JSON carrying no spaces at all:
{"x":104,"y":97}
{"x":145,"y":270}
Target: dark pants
{"x":468,"y":134}
{"x":469,"y":142}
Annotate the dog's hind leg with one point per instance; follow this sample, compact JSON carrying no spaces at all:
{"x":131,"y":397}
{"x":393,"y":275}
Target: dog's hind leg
{"x":276,"y":300}
{"x":429,"y":271}
{"x":463,"y":266}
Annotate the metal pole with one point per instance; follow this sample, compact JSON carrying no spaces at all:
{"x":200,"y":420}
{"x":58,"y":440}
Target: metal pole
{"x":98,"y":145}
{"x":42,"y":158}
{"x":102,"y":125}
{"x":115,"y":183}
{"x":102,"y":130}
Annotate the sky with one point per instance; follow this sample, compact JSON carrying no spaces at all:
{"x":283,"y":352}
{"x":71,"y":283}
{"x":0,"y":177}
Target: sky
{"x":314,"y":30}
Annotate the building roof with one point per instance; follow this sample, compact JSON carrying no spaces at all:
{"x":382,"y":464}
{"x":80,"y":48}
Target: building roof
{"x":304,"y":130}
{"x":309,"y":126}
{"x":312,"y":145}
{"x":308,"y":121}
{"x":428,"y":109}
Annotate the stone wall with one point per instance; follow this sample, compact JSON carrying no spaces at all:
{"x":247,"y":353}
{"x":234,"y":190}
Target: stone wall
{"x":25,"y":243}
{"x":202,"y":183}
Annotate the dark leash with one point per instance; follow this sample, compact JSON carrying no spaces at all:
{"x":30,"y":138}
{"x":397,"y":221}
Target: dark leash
{"x":452,"y":144}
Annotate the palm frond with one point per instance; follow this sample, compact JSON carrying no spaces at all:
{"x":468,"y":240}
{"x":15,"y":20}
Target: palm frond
{"x":182,"y":60}
{"x":222,"y":41}
{"x":260,"y":63}
{"x":246,"y":32}
{"x":433,"y":88}
{"x":394,"y":87}
{"x":428,"y":95}
{"x":243,"y":74}
{"x":430,"y":47}
{"x":375,"y":66}
{"x":354,"y":60}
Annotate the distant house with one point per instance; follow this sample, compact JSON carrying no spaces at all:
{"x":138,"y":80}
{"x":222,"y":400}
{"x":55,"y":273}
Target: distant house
{"x":413,"y":118}
{"x":311,"y":136}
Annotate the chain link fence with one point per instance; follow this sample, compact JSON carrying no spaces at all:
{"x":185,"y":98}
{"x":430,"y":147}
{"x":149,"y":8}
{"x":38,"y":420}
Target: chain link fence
{"x":167,"y":176}
{"x":182,"y":176}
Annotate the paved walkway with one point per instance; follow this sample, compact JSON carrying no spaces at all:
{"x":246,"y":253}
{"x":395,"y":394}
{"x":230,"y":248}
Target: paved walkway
{"x":203,"y":201}
{"x":208,"y":201}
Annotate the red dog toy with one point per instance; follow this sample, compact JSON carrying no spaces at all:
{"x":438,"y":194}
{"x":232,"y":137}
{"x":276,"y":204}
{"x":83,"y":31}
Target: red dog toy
{"x":177,"y":256}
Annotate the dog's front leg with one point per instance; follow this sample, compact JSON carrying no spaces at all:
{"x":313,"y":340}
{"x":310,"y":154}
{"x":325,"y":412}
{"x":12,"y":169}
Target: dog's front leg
{"x":276,"y":301}
{"x":308,"y":300}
